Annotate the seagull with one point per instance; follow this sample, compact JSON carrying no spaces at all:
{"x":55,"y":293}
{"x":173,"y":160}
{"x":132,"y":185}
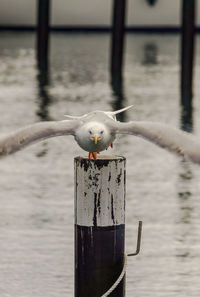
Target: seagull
{"x":96,"y":131}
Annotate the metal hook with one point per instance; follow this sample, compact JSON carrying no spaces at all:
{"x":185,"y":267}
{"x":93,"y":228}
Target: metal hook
{"x":138,"y":240}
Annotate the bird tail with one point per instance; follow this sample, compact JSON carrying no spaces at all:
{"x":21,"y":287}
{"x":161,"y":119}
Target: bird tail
{"x":109,"y":113}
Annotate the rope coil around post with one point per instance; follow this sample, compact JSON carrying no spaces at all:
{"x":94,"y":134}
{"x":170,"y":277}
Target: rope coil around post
{"x":125,"y":262}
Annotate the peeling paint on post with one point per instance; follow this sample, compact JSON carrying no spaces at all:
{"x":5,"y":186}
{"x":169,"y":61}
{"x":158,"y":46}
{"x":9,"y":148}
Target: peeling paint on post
{"x":99,"y":225}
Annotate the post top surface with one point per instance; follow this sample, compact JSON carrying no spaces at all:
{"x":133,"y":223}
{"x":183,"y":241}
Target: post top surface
{"x":101,"y":158}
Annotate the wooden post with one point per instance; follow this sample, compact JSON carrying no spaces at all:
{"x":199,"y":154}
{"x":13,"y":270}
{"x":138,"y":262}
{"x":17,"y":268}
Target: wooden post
{"x":117,"y":44}
{"x":99,"y":225}
{"x":43,"y":33}
{"x":187,"y":57}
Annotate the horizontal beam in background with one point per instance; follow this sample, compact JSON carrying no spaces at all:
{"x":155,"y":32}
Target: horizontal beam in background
{"x":99,"y":29}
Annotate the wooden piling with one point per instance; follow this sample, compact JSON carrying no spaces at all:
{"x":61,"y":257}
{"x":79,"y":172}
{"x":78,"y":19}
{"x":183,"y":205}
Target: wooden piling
{"x":187,"y":61}
{"x":118,"y":96}
{"x":117,"y":39}
{"x":43,"y":33}
{"x":99,"y":225}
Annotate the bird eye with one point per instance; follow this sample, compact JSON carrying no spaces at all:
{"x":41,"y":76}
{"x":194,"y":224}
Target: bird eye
{"x":101,"y":132}
{"x":90,"y":131}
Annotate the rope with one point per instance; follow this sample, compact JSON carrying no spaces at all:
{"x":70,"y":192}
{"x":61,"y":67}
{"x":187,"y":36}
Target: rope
{"x":125,"y":262}
{"x":118,"y":280}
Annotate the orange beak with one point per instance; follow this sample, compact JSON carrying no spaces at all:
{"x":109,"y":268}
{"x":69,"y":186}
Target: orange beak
{"x":95,"y":139}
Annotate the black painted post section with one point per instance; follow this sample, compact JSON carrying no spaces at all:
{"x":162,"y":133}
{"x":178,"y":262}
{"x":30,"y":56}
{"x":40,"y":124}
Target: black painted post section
{"x":117,"y":43}
{"x":99,"y":225}
{"x":187,"y":57}
{"x":43,"y":33}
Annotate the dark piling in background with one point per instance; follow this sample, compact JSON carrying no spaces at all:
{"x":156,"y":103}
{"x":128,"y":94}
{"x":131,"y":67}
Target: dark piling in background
{"x":43,"y":95}
{"x":99,"y":225}
{"x":118,"y":96}
{"x":43,"y":33}
{"x":187,"y":61}
{"x":43,"y":20}
{"x":117,"y":53}
{"x":117,"y":39}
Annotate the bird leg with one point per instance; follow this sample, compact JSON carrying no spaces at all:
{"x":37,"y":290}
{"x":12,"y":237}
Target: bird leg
{"x":93,"y":155}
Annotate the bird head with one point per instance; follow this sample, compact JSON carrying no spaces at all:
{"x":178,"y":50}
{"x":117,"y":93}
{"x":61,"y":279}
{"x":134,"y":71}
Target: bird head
{"x":96,"y":132}
{"x":94,"y":136}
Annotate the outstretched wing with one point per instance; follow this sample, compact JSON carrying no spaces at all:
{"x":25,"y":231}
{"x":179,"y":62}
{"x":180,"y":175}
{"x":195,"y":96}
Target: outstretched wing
{"x":36,"y":132}
{"x":174,"y":140}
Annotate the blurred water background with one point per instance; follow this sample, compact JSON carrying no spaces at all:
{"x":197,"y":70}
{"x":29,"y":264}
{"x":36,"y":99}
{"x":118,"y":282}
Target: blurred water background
{"x":36,"y":196}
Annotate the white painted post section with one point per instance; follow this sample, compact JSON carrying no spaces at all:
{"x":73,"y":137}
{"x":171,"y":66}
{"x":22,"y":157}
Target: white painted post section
{"x":99,"y":225}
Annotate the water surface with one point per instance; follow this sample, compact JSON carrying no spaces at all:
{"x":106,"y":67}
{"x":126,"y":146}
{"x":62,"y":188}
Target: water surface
{"x":36,"y":198}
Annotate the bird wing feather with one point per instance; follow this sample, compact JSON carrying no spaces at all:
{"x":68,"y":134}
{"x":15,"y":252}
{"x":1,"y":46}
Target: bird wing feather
{"x":36,"y":132}
{"x":172,"y":139}
{"x":118,"y":111}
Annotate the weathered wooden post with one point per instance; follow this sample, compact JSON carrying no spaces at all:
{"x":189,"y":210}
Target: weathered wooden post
{"x":99,"y":225}
{"x":117,"y":41}
{"x":187,"y":57}
{"x":43,"y":33}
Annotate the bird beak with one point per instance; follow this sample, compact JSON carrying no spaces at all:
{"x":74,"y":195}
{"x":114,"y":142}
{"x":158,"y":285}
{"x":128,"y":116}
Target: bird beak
{"x":95,"y":139}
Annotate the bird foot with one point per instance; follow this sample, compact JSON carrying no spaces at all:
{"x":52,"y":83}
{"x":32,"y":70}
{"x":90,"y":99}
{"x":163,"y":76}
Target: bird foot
{"x":93,"y":155}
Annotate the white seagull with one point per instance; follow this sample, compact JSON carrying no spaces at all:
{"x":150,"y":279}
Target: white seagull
{"x":94,"y":132}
